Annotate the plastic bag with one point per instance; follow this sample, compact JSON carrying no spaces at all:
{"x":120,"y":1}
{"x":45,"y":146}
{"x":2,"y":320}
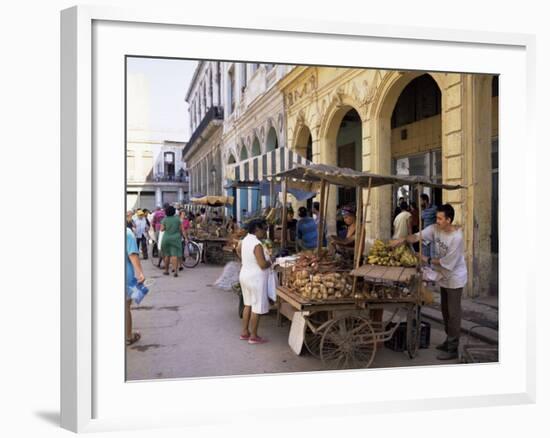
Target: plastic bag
{"x":271,"y":285}
{"x":137,"y":291}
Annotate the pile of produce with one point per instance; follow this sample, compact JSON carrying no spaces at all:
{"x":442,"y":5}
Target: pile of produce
{"x":316,"y":278}
{"x":326,"y":286}
{"x":385,"y":292}
{"x":383,"y":254}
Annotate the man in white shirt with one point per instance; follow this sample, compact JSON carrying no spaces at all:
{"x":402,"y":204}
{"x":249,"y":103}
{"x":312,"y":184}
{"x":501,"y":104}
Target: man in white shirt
{"x":141,"y":232}
{"x":447,"y":242}
{"x":402,"y":224}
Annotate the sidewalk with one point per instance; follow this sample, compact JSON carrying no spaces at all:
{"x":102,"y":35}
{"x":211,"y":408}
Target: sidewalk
{"x":482,"y":311}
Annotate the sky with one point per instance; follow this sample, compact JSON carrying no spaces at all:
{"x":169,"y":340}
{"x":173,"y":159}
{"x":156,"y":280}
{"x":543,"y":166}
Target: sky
{"x":168,"y":81}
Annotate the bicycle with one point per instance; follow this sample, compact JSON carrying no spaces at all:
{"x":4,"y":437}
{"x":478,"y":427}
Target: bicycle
{"x":191,"y":253}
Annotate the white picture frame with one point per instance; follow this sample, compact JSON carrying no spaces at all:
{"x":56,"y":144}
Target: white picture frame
{"x":93,"y":397}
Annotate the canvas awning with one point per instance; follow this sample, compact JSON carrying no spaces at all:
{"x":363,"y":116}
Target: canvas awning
{"x":263,"y":167}
{"x":315,"y":173}
{"x":213,"y":201}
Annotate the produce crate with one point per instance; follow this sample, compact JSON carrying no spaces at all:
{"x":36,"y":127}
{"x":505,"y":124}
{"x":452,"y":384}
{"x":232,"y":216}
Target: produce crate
{"x":398,"y":342}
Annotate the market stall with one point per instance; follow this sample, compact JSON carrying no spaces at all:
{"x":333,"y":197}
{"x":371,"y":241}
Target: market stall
{"x":259,"y":174}
{"x":213,"y":238}
{"x":338,"y":308}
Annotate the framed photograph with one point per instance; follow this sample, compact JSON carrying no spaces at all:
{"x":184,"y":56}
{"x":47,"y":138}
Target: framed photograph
{"x":210,"y":135}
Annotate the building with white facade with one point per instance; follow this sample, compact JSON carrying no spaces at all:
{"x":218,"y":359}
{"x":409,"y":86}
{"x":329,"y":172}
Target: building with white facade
{"x":155,"y":171}
{"x":203,"y":150}
{"x":236,"y":112}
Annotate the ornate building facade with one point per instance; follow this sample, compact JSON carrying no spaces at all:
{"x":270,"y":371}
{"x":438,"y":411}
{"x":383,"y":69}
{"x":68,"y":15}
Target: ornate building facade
{"x":441,"y":125}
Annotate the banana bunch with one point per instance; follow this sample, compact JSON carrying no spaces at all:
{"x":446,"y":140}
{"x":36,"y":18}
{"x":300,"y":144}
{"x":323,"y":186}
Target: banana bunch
{"x":385,"y":255}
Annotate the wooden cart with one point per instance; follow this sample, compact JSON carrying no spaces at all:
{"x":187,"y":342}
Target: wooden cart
{"x":343,"y":332}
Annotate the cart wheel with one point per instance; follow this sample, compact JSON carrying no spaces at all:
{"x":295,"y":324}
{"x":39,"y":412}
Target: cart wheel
{"x":413,"y":330}
{"x":348,"y":342}
{"x":312,"y":340}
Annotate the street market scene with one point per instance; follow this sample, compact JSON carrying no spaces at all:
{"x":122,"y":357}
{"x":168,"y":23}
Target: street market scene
{"x":285,"y":218}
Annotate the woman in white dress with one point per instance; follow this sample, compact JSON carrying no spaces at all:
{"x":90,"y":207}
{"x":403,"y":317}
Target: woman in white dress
{"x":253,"y":280}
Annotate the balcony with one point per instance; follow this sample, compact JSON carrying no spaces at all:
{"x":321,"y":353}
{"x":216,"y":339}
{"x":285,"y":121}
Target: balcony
{"x":213,"y":114}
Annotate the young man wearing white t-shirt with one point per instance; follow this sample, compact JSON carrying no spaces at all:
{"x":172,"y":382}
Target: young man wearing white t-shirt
{"x":447,"y":241}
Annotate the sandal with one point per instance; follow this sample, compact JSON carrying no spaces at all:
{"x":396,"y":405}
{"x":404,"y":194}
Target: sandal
{"x":166,"y":273}
{"x":175,"y":274}
{"x":135,"y":337}
{"x":244,"y":338}
{"x":257,"y":340}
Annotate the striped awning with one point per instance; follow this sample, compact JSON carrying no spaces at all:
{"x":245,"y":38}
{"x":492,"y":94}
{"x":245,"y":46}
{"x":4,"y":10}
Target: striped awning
{"x":261,"y":167}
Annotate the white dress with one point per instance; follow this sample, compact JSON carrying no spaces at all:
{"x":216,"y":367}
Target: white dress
{"x":252,"y":278}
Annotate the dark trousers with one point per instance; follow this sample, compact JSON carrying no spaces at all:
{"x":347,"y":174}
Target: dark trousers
{"x":451,"y":309}
{"x":143,"y":241}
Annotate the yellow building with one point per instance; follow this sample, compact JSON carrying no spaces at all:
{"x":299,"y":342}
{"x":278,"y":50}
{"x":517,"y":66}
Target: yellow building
{"x":441,"y":125}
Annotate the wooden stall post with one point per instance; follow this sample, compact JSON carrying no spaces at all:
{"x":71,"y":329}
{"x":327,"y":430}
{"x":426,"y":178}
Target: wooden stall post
{"x":358,"y":218}
{"x":283,"y":237}
{"x":321,"y":217}
{"x":363,"y":231}
{"x":419,"y":267}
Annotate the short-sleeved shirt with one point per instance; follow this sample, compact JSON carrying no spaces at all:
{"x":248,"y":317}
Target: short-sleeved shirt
{"x":429,"y":216}
{"x":306,"y":231}
{"x":131,"y":248}
{"x":158,"y":216}
{"x":400,"y":227}
{"x":448,"y":248}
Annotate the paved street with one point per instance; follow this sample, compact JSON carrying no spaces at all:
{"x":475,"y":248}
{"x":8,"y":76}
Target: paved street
{"x":191,"y":329}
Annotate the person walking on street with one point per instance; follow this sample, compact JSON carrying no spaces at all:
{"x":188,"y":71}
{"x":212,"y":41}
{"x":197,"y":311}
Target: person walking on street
{"x":134,"y":272}
{"x":253,"y":279}
{"x":448,"y":261}
{"x":142,"y":230}
{"x":171,"y":247}
{"x":158,"y":216}
{"x":130,"y":221}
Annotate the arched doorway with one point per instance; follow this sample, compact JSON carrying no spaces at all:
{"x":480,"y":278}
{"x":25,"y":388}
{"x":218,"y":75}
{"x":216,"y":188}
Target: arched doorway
{"x":272,"y":142}
{"x":408,"y":141}
{"x":416,"y":138}
{"x":304,"y":147}
{"x":243,"y":193}
{"x":231,"y":161}
{"x":255,"y":203}
{"x":349,"y":145}
{"x":341,"y":145}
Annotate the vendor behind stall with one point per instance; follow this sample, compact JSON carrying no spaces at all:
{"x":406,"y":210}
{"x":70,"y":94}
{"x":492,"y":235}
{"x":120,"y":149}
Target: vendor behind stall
{"x":291,"y":225}
{"x":344,"y":245}
{"x":306,"y":231}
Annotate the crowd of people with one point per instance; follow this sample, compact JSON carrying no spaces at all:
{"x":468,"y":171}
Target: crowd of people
{"x":443,"y":250}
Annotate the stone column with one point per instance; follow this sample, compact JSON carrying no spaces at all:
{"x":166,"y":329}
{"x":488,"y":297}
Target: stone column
{"x":328,"y":155}
{"x":216,"y":84}
{"x":180,"y":194}
{"x":158,"y":196}
{"x":477,"y":167}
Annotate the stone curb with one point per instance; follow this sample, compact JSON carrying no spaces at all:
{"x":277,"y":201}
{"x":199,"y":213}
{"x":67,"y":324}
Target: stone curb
{"x":484,"y":334}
